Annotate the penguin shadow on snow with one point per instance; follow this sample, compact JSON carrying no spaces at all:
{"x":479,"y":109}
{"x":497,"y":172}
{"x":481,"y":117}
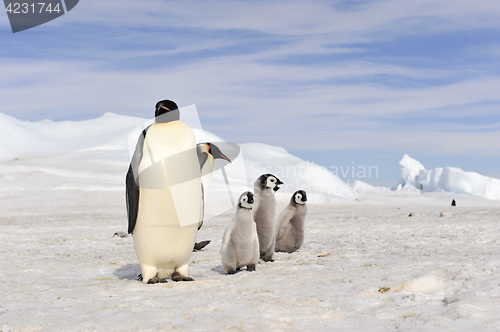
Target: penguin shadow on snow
{"x":219,"y":269}
{"x":128,"y":271}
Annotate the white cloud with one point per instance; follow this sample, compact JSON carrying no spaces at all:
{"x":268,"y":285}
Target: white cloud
{"x":296,"y":18}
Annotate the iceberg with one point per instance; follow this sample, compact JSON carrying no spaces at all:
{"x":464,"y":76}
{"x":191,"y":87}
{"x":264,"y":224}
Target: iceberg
{"x":410,"y":168}
{"x":446,"y":179}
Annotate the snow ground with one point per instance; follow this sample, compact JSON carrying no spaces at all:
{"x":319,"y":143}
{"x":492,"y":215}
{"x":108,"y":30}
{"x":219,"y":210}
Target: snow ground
{"x":365,"y":264}
{"x":62,"y":269}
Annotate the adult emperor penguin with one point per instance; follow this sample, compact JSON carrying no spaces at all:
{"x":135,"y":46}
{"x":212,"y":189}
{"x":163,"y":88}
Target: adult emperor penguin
{"x":265,"y":212}
{"x":163,"y":191}
{"x":290,"y":224}
{"x":207,"y":153}
{"x":240,"y":243}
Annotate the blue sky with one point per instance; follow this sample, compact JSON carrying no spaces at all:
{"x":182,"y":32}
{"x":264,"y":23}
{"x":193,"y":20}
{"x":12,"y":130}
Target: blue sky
{"x":334,"y":82}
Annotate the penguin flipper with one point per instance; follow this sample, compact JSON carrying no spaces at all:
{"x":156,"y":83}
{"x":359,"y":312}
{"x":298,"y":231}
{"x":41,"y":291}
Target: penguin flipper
{"x":132,"y":195}
{"x":200,"y":245}
{"x":202,"y":214}
{"x":227,"y":236}
{"x":132,"y":183}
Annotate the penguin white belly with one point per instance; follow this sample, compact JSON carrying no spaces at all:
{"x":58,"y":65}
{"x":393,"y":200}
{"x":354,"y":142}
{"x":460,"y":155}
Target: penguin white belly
{"x":169,"y":200}
{"x":160,"y":242}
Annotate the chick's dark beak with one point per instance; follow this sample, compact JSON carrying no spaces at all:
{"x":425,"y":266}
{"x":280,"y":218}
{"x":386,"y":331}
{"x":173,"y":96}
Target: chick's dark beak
{"x":250,"y":199}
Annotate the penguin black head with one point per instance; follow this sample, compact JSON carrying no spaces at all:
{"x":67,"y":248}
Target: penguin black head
{"x":216,"y":152}
{"x":246,"y":200}
{"x":164,"y":106}
{"x":299,"y":197}
{"x":269,"y":181}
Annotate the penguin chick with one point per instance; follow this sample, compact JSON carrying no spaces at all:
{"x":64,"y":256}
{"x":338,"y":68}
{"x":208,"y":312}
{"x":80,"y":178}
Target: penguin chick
{"x":264,"y":213}
{"x":290,"y":224}
{"x":240,"y":244}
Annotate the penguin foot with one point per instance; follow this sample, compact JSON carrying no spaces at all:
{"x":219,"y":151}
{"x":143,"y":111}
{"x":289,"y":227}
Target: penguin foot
{"x":200,"y":245}
{"x":267,"y":256}
{"x":231,"y":272}
{"x":157,"y":280}
{"x":251,"y":267}
{"x":176,"y":276}
{"x":139,"y":277}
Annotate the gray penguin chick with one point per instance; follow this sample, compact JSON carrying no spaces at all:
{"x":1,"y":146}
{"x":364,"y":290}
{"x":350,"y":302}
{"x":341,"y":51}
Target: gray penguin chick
{"x":264,"y":213}
{"x":240,"y":244}
{"x":290,"y":224}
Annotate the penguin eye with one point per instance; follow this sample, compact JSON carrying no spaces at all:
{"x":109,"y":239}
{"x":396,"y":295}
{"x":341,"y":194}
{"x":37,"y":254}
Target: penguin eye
{"x":272,"y":180}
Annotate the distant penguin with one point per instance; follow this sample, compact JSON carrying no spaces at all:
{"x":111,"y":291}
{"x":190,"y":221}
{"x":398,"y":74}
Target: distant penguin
{"x":265,"y":212}
{"x":240,"y":243}
{"x":453,"y":203}
{"x":290,"y":224}
{"x":163,"y":191}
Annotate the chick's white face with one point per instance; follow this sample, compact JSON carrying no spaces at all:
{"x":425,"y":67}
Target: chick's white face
{"x":298,"y":199}
{"x":244,"y":203}
{"x":271,"y":182}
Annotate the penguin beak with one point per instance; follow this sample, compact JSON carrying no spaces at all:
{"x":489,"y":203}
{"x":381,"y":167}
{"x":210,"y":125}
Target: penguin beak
{"x":216,"y":152}
{"x":222,"y":156}
{"x":160,"y":107}
{"x":278,"y":182}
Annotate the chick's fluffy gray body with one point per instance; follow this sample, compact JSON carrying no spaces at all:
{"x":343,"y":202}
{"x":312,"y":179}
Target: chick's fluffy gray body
{"x":290,"y":227}
{"x":240,"y":244}
{"x":264,"y":216}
